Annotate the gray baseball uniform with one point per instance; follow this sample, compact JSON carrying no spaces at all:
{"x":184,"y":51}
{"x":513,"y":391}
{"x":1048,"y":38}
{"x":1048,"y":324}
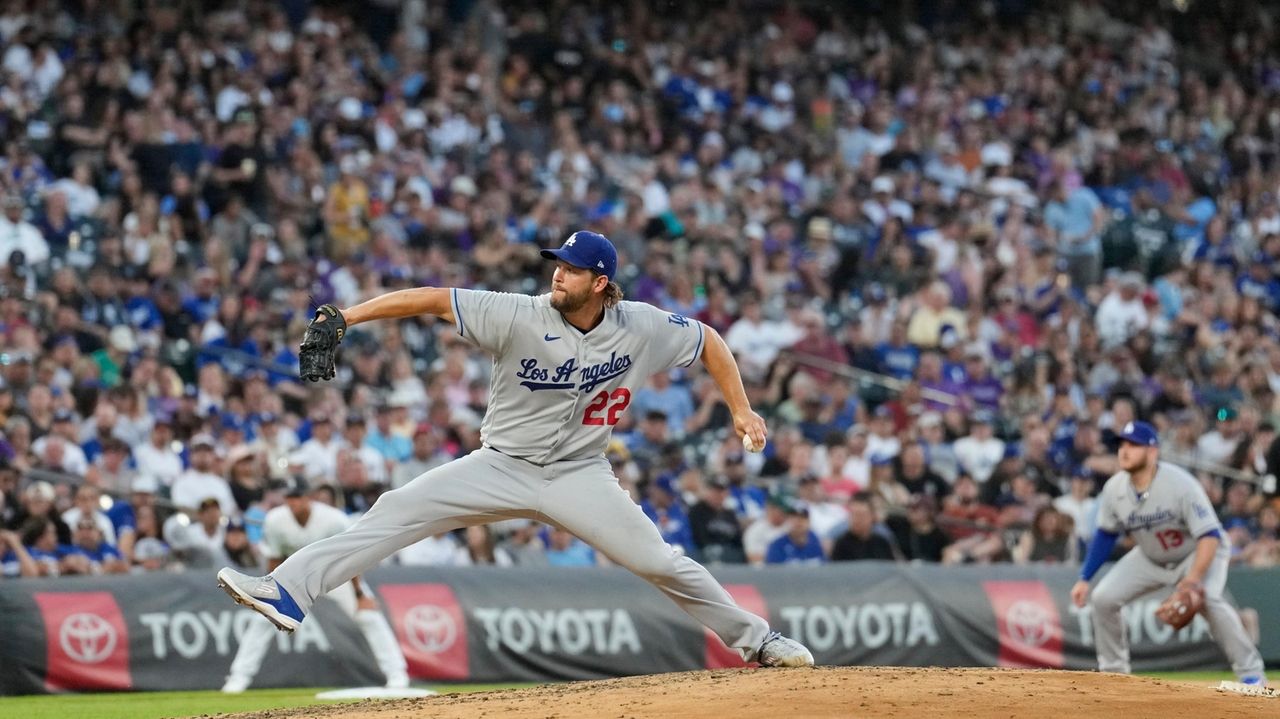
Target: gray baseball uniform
{"x":1166,"y":521}
{"x":556,"y":394}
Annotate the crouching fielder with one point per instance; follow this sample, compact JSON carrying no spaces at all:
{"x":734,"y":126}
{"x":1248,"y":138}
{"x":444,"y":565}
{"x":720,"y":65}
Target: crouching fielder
{"x":1180,"y":543}
{"x":285,"y":530}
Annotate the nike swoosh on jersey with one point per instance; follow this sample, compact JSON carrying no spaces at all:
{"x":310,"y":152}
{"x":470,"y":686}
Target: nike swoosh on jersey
{"x":549,"y":337}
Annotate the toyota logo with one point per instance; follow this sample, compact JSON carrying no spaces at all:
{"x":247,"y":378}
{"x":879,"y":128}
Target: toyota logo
{"x":1029,"y":623}
{"x":87,"y":638}
{"x":429,"y":629}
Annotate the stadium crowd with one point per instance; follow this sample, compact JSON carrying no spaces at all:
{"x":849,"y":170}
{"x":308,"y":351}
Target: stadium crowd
{"x":954,"y":246}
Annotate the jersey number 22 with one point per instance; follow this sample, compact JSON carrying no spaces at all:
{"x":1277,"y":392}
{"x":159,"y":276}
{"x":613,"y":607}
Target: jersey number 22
{"x":615,"y":402}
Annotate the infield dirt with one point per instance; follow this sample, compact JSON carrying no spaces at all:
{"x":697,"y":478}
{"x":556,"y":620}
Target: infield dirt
{"x":890,"y":693}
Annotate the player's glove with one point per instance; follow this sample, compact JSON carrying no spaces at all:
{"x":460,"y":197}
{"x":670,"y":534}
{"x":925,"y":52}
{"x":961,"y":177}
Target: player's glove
{"x":1182,"y":606}
{"x":320,"y":344}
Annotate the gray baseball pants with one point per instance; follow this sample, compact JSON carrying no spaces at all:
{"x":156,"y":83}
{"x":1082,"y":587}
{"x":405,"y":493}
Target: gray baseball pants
{"x":1135,"y":575}
{"x":581,"y":496}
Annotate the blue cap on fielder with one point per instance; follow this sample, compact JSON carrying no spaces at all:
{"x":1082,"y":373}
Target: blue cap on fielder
{"x":1139,"y":433}
{"x":589,"y":250}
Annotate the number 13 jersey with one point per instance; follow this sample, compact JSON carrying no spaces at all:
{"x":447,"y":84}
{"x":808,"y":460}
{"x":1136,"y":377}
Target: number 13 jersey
{"x":1166,"y":520}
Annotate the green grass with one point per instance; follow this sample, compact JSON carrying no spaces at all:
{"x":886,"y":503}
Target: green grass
{"x":1192,"y":676}
{"x":156,"y":705}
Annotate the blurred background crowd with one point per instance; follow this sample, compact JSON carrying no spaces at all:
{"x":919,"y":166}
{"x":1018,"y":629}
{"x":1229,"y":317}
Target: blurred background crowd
{"x":954,"y":246}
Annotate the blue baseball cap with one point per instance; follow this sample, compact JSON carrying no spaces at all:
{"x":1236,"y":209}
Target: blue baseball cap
{"x":1139,"y":433}
{"x":588,"y":250}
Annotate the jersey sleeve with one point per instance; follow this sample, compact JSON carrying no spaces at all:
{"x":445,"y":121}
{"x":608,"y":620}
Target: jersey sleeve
{"x":486,"y":318}
{"x":673,"y":340}
{"x":1197,"y":511}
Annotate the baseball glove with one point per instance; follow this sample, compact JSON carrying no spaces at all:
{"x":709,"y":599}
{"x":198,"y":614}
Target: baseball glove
{"x":320,"y":344}
{"x":1182,"y":606}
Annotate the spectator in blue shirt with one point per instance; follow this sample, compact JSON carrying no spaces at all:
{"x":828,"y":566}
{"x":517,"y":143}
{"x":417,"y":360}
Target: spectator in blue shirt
{"x":799,"y":545}
{"x":102,"y":557}
{"x":1076,"y":218}
{"x":566,"y":550}
{"x":395,"y":447}
{"x":663,"y":510}
{"x":662,"y":395}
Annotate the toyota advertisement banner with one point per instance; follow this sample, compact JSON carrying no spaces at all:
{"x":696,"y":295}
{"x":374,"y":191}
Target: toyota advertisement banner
{"x":167,"y":631}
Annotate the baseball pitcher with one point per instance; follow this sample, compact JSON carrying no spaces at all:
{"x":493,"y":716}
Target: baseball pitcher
{"x":1180,"y":543}
{"x":565,"y":365}
{"x":285,"y":530}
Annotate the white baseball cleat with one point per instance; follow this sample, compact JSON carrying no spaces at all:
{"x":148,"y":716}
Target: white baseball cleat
{"x":779,"y":651}
{"x":263,"y":595}
{"x":235,"y":685}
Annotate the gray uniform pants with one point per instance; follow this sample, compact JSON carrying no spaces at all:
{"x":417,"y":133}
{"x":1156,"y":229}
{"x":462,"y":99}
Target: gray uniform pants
{"x":1135,"y":575}
{"x":580,"y":496}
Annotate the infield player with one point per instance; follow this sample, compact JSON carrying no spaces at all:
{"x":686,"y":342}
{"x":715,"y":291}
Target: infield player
{"x":565,"y":365}
{"x":1179,"y":543}
{"x":286,"y":529}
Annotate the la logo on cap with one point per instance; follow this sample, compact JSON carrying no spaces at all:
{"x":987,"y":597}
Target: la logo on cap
{"x":572,"y":239}
{"x":1128,"y":428}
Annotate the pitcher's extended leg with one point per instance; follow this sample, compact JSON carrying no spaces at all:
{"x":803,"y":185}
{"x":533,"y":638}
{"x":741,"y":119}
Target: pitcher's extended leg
{"x":589,"y":503}
{"x":470,"y":490}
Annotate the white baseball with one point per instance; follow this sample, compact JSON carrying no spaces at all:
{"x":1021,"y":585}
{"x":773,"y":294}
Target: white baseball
{"x":750,"y":446}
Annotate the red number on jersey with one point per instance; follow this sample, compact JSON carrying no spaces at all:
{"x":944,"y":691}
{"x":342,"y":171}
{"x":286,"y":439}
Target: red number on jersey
{"x":595,"y":414}
{"x":1169,"y":538}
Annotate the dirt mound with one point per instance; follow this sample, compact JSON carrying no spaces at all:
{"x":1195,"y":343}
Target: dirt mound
{"x":826,"y":692}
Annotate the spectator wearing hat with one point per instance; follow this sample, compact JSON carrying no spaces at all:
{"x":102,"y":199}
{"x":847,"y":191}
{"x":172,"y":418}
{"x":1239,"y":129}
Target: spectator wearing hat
{"x":763,"y":531}
{"x":242,"y":552}
{"x":980,"y":451}
{"x":110,"y":471}
{"x":394,"y":447}
{"x":101,"y":555}
{"x":18,"y":235}
{"x":245,"y":476}
{"x":199,"y":481}
{"x":799,"y":545}
{"x":716,"y":531}
{"x":882,"y":439}
{"x":924,"y":541}
{"x":861,"y":540}
{"x":981,"y":388}
{"x":1122,"y":314}
{"x":1080,"y":506}
{"x":376,"y":465}
{"x":1219,"y":444}
{"x":157,"y":457}
{"x":316,"y":459}
{"x":59,"y":450}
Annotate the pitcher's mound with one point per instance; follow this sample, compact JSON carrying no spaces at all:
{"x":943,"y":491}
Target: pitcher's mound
{"x":829,"y":692}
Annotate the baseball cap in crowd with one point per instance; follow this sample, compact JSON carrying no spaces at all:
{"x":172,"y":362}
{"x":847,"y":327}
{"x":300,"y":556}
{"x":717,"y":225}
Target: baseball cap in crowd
{"x":716,"y":481}
{"x":202,"y":440}
{"x":150,"y":548}
{"x":64,"y":415}
{"x":1139,"y":433}
{"x":983,"y":416}
{"x":800,"y":509}
{"x":588,"y":250}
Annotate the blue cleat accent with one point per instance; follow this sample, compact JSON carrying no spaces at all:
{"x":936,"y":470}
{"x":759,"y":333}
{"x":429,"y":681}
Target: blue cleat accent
{"x":1252,"y":679}
{"x":263,"y":595}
